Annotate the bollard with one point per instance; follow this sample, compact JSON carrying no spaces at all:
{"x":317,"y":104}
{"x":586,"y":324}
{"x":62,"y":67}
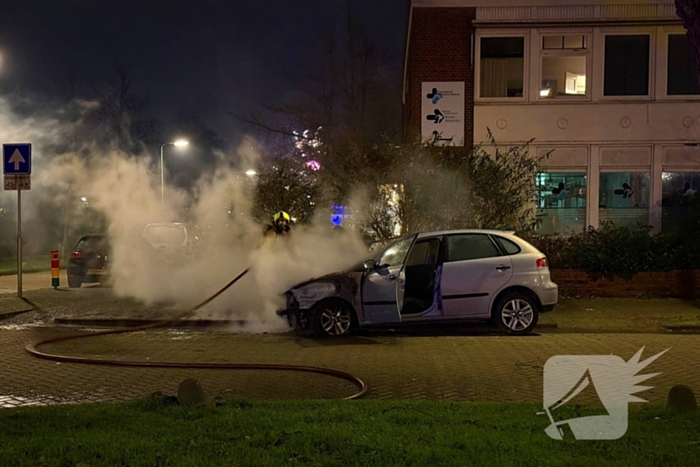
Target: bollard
{"x":55,"y":270}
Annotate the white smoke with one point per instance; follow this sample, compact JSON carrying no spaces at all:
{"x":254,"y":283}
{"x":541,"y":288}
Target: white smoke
{"x":127,"y":190}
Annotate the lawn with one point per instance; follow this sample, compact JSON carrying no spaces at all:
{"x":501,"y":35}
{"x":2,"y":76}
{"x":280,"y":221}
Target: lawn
{"x":32,"y":264}
{"x":367,"y":433}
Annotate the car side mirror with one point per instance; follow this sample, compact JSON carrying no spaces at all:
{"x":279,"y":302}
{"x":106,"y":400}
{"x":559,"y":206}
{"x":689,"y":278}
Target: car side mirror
{"x":370,"y":265}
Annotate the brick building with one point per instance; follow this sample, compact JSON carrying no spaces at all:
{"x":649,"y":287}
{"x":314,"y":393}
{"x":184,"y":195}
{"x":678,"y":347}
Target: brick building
{"x":608,"y":86}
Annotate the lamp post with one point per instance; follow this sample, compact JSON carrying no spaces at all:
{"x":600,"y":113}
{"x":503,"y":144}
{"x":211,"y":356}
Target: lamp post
{"x":179,"y":143}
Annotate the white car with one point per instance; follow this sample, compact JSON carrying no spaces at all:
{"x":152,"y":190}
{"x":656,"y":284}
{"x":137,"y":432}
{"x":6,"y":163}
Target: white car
{"x":431,"y":277}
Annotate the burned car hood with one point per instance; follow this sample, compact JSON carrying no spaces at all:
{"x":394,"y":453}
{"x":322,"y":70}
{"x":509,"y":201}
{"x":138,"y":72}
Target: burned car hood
{"x":333,"y":278}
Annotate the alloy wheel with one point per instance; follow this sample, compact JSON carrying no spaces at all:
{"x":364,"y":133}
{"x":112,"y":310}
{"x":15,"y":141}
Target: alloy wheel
{"x":517,"y":314}
{"x":336,"y":320}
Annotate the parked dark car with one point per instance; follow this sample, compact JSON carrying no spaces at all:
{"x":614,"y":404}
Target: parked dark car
{"x":89,"y":261}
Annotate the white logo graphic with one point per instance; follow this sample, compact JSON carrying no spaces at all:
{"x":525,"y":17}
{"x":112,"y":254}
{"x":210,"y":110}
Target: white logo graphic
{"x":609,"y":380}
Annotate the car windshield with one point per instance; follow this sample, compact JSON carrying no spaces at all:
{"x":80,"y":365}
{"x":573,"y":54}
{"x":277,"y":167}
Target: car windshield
{"x":166,"y":235}
{"x":396,"y":253}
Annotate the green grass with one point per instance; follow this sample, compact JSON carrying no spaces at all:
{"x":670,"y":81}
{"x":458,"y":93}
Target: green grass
{"x":367,"y":433}
{"x":33,"y":264}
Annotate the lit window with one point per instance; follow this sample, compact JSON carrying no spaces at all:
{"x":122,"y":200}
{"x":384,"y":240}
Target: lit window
{"x":624,"y":198}
{"x":502,"y":65}
{"x":678,"y":191}
{"x":563,"y":71}
{"x":561,"y":202}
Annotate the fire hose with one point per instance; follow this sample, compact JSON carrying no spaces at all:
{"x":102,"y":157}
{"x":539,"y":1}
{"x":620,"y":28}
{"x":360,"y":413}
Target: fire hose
{"x":33,"y":349}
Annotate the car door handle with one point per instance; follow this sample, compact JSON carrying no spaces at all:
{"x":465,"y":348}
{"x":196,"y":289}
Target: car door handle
{"x":502,"y":267}
{"x":392,"y":277}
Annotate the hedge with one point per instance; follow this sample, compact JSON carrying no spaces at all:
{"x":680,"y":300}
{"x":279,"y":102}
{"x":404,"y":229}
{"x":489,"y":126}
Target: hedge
{"x":621,"y":250}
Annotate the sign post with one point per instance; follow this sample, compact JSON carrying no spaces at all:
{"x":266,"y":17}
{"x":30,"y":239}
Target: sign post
{"x":17,"y":169}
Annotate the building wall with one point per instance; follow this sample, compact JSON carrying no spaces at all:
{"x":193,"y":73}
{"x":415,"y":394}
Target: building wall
{"x":598,"y":140}
{"x":439,"y":49}
{"x":601,"y":137}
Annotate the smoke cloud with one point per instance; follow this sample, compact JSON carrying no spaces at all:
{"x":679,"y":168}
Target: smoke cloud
{"x":125,"y":189}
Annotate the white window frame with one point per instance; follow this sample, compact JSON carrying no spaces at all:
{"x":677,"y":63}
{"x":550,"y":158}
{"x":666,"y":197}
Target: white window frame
{"x":603,"y":33}
{"x":662,"y":70}
{"x":542,"y":53}
{"x":525,"y":34}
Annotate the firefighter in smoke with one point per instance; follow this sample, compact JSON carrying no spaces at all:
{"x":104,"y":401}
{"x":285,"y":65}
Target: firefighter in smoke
{"x":279,"y":227}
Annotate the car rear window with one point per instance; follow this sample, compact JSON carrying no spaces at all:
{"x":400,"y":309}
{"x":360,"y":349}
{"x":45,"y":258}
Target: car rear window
{"x":511,"y":247}
{"x":91,"y":244}
{"x":470,"y":246}
{"x":165,"y":235}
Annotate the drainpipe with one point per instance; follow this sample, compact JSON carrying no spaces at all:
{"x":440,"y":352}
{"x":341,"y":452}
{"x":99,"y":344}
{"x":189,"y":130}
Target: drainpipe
{"x":405,"y":70}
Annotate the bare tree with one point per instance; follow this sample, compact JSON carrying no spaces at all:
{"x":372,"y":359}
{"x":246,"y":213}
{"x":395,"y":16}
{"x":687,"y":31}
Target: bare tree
{"x":349,"y":94}
{"x":120,"y":115}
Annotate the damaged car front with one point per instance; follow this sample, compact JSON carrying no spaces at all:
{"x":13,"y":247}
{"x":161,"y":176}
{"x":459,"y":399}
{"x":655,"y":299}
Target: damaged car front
{"x":324,"y":305}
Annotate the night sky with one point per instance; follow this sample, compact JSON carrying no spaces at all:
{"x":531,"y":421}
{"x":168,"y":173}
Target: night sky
{"x":206,"y":56}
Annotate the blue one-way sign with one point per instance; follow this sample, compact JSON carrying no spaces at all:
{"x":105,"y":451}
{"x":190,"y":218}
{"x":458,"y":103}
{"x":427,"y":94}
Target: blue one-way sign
{"x":17,"y":159}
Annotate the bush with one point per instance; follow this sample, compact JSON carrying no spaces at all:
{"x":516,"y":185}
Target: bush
{"x":622,"y":250}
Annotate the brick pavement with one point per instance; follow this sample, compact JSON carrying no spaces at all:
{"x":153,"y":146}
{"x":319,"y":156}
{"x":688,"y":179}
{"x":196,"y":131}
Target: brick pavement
{"x":481,"y":367}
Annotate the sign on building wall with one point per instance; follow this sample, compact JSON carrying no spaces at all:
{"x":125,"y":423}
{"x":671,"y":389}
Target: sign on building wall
{"x":442,"y":113}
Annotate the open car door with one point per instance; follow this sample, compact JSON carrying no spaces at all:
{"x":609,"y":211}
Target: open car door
{"x":383,"y":285}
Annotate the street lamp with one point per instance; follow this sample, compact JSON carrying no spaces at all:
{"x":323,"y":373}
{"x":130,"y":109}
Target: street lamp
{"x":178,"y":143}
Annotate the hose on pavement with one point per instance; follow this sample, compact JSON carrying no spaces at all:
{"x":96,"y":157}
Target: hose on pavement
{"x":33,"y":349}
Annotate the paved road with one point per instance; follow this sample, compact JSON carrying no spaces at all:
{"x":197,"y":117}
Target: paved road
{"x":31,"y":281}
{"x":481,"y":367}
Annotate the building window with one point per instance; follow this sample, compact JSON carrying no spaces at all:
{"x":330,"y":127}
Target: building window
{"x":563,"y":66}
{"x":574,"y":42}
{"x":682,"y":67}
{"x":624,"y":198}
{"x":502,"y":66}
{"x":561,"y":202}
{"x":626,"y":65}
{"x":677,"y":191}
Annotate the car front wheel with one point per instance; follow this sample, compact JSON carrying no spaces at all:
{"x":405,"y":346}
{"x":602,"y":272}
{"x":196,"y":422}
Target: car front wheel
{"x":516,"y":313}
{"x":332,"y":318}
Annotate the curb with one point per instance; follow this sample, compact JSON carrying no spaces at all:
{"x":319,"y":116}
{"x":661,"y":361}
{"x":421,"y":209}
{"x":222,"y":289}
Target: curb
{"x":132,"y":323}
{"x":683,"y":329}
{"x":12,"y":314}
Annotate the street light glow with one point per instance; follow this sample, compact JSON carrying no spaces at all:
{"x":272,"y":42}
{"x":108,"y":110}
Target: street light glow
{"x":83,"y":199}
{"x":251,"y":173}
{"x":181,"y":142}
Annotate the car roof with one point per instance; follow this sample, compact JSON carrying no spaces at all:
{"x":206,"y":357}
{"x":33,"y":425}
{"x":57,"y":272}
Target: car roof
{"x":467,"y":231}
{"x":167,"y":224}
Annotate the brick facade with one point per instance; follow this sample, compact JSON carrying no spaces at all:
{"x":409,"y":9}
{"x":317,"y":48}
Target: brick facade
{"x":439,"y":49}
{"x":671,"y":284}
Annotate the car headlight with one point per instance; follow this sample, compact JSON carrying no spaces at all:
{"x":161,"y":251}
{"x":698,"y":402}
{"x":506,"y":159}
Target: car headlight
{"x":314,"y":292}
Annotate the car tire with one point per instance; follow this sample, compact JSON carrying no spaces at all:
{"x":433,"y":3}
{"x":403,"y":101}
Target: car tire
{"x":74,"y":282}
{"x":332,"y":318}
{"x":516,"y":313}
